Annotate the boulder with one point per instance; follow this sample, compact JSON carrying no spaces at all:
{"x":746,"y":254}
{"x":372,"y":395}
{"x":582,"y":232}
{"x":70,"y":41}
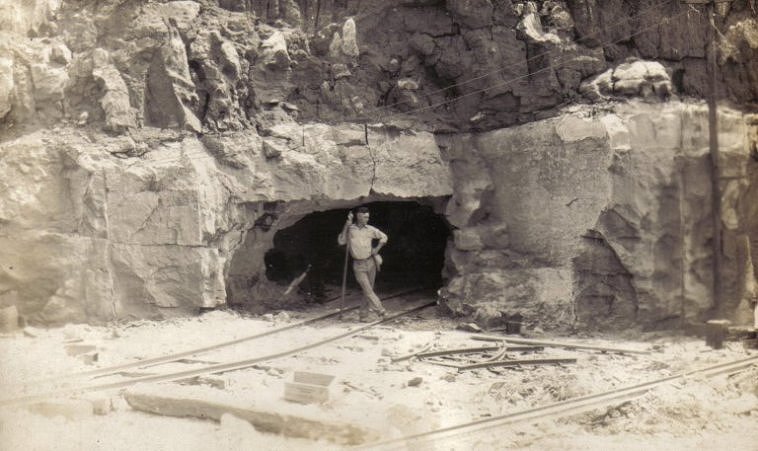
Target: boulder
{"x":646,"y":79}
{"x":171,"y":93}
{"x":273,"y":54}
{"x":349,"y":43}
{"x":119,"y":114}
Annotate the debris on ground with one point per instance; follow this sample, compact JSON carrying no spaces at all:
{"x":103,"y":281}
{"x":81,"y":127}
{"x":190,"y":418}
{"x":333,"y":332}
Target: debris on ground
{"x":368,"y":399}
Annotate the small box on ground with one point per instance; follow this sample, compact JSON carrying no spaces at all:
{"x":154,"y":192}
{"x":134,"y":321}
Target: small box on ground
{"x":308,"y":388}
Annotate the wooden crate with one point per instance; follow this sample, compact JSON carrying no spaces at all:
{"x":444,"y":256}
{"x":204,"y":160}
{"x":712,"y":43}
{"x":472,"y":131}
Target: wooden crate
{"x":308,"y":388}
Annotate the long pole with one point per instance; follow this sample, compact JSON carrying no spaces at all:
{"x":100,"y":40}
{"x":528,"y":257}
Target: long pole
{"x":713,"y":142}
{"x":344,"y":268}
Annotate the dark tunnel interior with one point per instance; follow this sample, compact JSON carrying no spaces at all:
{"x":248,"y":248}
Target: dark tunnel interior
{"x":413,"y":257}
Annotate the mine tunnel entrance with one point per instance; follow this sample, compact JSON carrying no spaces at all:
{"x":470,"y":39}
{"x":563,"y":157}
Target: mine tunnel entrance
{"x":413,"y":257}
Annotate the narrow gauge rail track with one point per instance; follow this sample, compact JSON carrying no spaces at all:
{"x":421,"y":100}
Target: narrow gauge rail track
{"x":168,"y":358}
{"x":215,"y":368}
{"x":554,"y":410}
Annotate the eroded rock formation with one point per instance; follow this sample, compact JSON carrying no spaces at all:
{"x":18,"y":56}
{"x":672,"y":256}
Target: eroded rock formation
{"x":150,"y":150}
{"x":599,"y":217}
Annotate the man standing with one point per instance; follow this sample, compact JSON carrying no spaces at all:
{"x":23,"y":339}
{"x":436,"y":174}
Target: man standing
{"x":366,"y":259}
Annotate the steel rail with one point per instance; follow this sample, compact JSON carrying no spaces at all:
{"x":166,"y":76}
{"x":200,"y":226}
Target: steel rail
{"x":558,"y":409}
{"x":111,"y":370}
{"x":208,"y":369}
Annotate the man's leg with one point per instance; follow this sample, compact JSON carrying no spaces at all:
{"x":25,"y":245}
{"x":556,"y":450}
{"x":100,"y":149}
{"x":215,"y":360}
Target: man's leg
{"x":372,"y":300}
{"x":376,"y":304}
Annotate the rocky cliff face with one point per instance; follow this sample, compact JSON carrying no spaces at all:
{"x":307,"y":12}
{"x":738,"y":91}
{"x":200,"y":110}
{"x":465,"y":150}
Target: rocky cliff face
{"x":150,"y":150}
{"x":599,"y":217}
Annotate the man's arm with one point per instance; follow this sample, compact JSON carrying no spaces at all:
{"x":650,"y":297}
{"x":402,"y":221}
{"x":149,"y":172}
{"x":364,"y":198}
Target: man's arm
{"x":382,"y":237}
{"x":342,"y":237}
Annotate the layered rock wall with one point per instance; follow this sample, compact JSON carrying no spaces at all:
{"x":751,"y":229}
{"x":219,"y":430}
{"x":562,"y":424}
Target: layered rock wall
{"x":600,"y":218}
{"x":88,"y":235}
{"x":150,"y":150}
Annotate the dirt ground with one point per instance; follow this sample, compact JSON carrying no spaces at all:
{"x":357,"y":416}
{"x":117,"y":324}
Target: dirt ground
{"x":382,"y":399}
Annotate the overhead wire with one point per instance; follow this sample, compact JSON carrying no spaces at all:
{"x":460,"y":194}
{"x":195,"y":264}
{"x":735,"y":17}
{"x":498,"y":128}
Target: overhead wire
{"x":560,"y":63}
{"x":502,"y":84}
{"x":656,"y":8}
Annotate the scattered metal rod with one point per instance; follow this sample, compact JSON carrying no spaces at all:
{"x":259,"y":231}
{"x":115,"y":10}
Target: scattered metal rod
{"x":410,"y":356}
{"x":524,"y":348}
{"x":211,"y":369}
{"x":506,"y":350}
{"x":422,"y":353}
{"x":556,"y":344}
{"x":515,"y":363}
{"x":499,"y":356}
{"x":457,"y":351}
{"x":555,"y":410}
{"x":437,"y":362}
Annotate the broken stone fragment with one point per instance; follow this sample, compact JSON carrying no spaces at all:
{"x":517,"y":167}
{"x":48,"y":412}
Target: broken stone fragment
{"x":531,"y":26}
{"x":349,"y":43}
{"x":224,"y":154}
{"x":170,"y":89}
{"x":119,"y":114}
{"x":274,"y":53}
{"x":60,"y":54}
{"x":335,"y":47}
{"x":272,"y":149}
{"x":408,"y":84}
{"x":340,"y":71}
{"x":415,"y":382}
{"x":467,"y":239}
{"x":82,"y":119}
{"x":49,"y":82}
{"x":230,"y":59}
{"x":469,"y":327}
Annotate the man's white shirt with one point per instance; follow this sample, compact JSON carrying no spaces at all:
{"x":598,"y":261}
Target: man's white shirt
{"x":360,"y":240}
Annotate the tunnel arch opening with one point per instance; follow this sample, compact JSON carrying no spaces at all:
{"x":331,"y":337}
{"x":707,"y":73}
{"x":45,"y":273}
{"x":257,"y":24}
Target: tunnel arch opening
{"x":414,"y":256}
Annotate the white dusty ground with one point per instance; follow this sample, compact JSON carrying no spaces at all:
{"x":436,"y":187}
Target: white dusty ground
{"x":369,"y":391}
